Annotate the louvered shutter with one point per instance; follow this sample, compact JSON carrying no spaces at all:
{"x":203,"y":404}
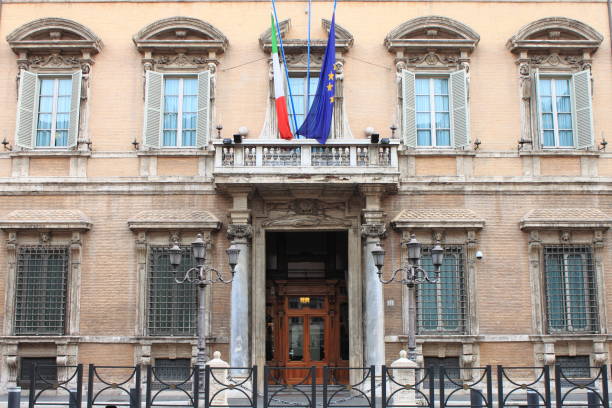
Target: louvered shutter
{"x":537,"y":109}
{"x":75,"y":105}
{"x":203,"y":108}
{"x":459,"y":106}
{"x":26,"y":111}
{"x":408,"y":109}
{"x":583,"y":111}
{"x":153,"y":109}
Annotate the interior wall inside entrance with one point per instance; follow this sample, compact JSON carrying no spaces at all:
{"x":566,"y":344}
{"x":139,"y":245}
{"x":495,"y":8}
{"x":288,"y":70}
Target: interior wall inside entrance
{"x":306,"y":298}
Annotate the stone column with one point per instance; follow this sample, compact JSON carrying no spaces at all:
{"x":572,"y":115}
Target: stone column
{"x":240,"y":232}
{"x":373,"y":311}
{"x":240,"y":235}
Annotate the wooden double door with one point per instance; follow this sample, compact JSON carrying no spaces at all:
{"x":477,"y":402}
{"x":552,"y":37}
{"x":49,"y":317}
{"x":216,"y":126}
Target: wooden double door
{"x":307,"y":327}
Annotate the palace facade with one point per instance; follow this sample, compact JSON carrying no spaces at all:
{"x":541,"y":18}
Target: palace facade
{"x":131,"y":126}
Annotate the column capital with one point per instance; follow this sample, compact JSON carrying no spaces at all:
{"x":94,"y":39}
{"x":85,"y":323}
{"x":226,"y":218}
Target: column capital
{"x":239,"y":231}
{"x":373,"y":230}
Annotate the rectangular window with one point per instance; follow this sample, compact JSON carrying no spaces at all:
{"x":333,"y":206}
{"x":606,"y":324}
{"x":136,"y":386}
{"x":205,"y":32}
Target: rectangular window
{"x":46,"y":369}
{"x":441,"y":306}
{"x":571,"y":299}
{"x":432,"y":112}
{"x":301,"y":103}
{"x":54,"y":112}
{"x":172,"y":306}
{"x":180,"y":112}
{"x":574,"y":366}
{"x":556,"y":112}
{"x":173,"y":370}
{"x":40,"y":292}
{"x":451,"y":368}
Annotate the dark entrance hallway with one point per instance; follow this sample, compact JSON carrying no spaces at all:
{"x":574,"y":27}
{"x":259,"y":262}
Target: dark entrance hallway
{"x":306,"y":301}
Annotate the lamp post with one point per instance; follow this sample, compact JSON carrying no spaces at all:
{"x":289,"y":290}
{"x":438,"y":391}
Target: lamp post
{"x":411,"y":275}
{"x":201,"y":276}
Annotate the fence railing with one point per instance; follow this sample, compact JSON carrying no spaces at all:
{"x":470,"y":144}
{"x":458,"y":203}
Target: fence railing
{"x":326,"y":387}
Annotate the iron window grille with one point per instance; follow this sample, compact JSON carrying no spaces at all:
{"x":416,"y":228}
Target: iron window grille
{"x":40,"y":291}
{"x":47,"y":370}
{"x":571,"y":294}
{"x":441,"y":307}
{"x":173,"y":370}
{"x":451,"y":369}
{"x":575,"y":366}
{"x":172,"y":306}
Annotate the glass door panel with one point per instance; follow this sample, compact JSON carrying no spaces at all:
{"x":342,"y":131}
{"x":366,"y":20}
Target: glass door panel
{"x":296,"y":339}
{"x":317,"y":338}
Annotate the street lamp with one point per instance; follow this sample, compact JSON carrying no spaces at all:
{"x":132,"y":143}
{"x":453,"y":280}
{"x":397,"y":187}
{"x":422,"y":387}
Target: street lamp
{"x":202,"y":276}
{"x":411,"y":275}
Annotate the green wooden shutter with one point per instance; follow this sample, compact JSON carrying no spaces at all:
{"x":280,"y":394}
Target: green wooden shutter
{"x":459,"y":106}
{"x":203,"y":108}
{"x":583,"y":115}
{"x":26,"y":111}
{"x":75,"y":105}
{"x":538,"y":137}
{"x":408,"y":109}
{"x":153,"y":109}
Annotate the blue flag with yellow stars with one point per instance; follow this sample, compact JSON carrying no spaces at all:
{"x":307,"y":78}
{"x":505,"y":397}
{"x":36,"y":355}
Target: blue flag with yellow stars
{"x":319,"y":118}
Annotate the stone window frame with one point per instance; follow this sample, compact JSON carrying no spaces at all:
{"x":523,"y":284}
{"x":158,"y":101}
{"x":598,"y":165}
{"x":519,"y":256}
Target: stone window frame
{"x":181,"y":56}
{"x":58,"y":54}
{"x":553,"y":56}
{"x":569,"y":226}
{"x":44,"y":227}
{"x":454,"y":226}
{"x":296,"y":55}
{"x":431,"y":46}
{"x":159,"y":228}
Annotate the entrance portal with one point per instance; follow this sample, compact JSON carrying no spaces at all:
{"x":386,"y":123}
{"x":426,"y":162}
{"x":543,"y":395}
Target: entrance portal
{"x":306,"y":302}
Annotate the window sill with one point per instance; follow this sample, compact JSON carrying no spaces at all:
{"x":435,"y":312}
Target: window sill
{"x":50,"y":153}
{"x":549,"y":338}
{"x":411,"y":151}
{"x":560,"y":152}
{"x":174,"y":151}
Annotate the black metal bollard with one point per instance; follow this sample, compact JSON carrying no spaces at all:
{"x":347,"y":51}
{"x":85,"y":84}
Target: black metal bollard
{"x":476,"y":400}
{"x":14,"y":397}
{"x":73,"y":399}
{"x":533,"y":399}
{"x":134,"y":398}
{"x":593,"y":400}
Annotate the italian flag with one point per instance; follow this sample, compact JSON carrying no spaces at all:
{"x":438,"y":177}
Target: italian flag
{"x":279,"y":91}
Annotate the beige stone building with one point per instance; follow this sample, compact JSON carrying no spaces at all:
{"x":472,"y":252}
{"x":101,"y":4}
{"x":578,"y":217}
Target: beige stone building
{"x":118,"y":120}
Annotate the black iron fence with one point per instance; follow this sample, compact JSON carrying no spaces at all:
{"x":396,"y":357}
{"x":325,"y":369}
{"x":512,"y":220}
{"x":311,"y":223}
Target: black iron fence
{"x":326,"y":387}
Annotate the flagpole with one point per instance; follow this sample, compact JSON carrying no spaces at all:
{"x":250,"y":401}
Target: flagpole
{"x":308,"y":61}
{"x":280,"y":40}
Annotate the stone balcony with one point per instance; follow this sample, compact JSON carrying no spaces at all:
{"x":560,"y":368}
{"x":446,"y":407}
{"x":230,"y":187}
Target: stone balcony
{"x":342,"y":161}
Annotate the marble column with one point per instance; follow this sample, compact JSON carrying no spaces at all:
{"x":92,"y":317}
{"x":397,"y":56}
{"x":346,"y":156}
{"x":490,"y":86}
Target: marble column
{"x":240,"y":235}
{"x":373,"y":316}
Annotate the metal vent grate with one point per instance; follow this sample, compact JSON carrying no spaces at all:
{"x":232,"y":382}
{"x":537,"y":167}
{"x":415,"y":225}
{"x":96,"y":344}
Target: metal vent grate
{"x":40,"y":300}
{"x":441,"y":306}
{"x":172,"y":306}
{"x":571,"y":295}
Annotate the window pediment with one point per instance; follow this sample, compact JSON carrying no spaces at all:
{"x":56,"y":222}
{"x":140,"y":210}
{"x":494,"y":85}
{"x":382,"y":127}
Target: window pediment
{"x":432,"y":42}
{"x":296,"y":49}
{"x":46,"y":220}
{"x":45,"y":35}
{"x":174,"y":220}
{"x":555,"y":34}
{"x":444,"y":218}
{"x":565,"y":218}
{"x":180,"y":42}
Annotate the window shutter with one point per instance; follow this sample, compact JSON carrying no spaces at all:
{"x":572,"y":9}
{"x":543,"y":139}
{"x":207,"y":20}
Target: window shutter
{"x":408,"y":109}
{"x":203,"y":108}
{"x":538,"y":140}
{"x":26,"y":111}
{"x":153,"y":109}
{"x":75,"y":105}
{"x":583,"y":111}
{"x":460,"y":122}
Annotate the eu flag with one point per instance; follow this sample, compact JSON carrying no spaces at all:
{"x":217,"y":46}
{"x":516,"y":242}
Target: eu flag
{"x":319,"y":117}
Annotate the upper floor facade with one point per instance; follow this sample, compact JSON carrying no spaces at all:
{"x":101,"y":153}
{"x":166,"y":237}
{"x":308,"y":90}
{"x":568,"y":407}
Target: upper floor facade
{"x":158,"y":93}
